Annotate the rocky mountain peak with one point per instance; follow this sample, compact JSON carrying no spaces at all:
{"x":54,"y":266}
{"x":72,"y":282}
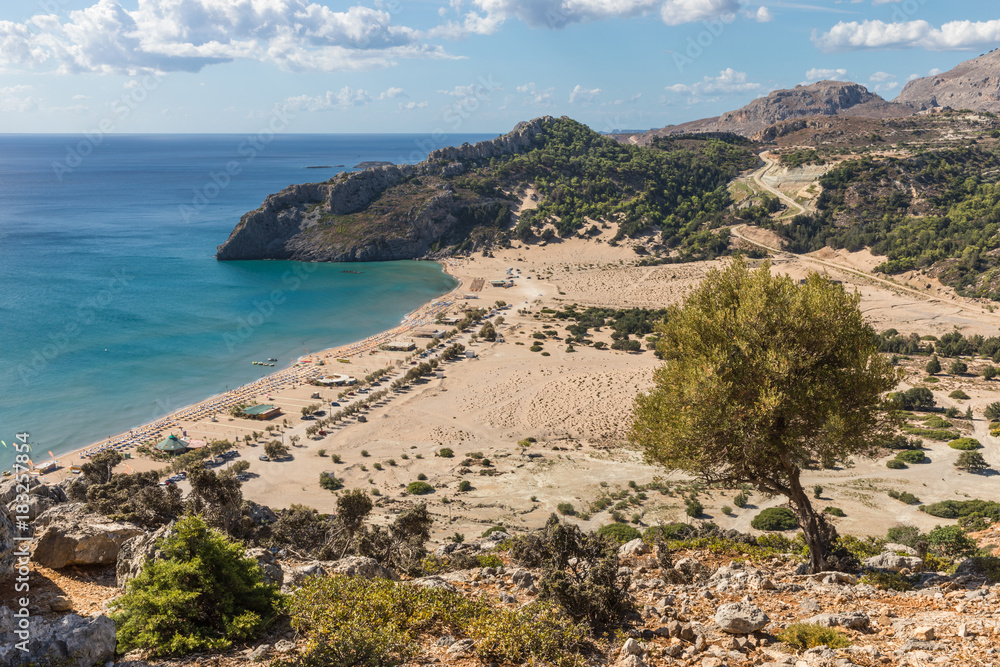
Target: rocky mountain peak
{"x":973,"y":84}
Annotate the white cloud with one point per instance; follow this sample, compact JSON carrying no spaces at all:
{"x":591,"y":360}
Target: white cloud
{"x":392,"y":93}
{"x":11,"y":100}
{"x":409,"y":106}
{"x":729,"y":81}
{"x":583,"y":95}
{"x":487,"y":16}
{"x":952,"y":36}
{"x":345,"y":98}
{"x":764,"y":15}
{"x":879,"y":77}
{"x":187,"y":35}
{"x":536,"y":96}
{"x":820,"y":74}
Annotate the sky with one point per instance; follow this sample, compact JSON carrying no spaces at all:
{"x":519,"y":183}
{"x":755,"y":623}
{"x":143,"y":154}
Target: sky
{"x":452,"y":66}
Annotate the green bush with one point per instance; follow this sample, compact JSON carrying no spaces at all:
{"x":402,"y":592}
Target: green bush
{"x":895,"y":464}
{"x":932,"y":434}
{"x":810,"y":635}
{"x":694,"y":508}
{"x":419,"y":488}
{"x":620,"y":532}
{"x":670,"y":531}
{"x":592,"y":589}
{"x":904,"y":497}
{"x":727,"y":510}
{"x":955,"y":509}
{"x":494,"y":529}
{"x":834,"y":511}
{"x":950,"y":542}
{"x":203,"y":593}
{"x":422,"y":477}
{"x":741,"y":499}
{"x":355,"y":622}
{"x":965,"y":444}
{"x":911,"y":456}
{"x":566,"y":509}
{"x":775,"y":519}
{"x":971,"y":462}
{"x":330,"y":482}
{"x":935,"y":421}
{"x":446,"y":453}
{"x":817,"y":491}
{"x":465,"y":485}
{"x":959,"y":395}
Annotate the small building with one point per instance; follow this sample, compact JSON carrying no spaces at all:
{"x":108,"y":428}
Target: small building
{"x":261,"y":412}
{"x":470,"y":354}
{"x":501,"y":283}
{"x":337,"y":380}
{"x":428,"y":332}
{"x":400,"y":346}
{"x":172,"y":445}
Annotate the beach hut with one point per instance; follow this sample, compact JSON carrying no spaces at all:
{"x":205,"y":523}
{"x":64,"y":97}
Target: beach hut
{"x":172,"y":445}
{"x":261,"y":412}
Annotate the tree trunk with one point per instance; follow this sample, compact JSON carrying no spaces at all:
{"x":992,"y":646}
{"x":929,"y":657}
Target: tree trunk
{"x":810,"y":524}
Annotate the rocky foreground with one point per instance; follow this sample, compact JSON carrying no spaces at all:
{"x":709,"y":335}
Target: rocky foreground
{"x":692,"y":606}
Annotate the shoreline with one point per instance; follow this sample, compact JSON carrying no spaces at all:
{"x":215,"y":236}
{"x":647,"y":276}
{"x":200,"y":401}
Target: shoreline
{"x":293,"y":376}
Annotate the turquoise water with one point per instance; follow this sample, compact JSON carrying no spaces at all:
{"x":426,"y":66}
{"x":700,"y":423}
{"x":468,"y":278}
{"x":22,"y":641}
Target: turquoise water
{"x":113,"y":310}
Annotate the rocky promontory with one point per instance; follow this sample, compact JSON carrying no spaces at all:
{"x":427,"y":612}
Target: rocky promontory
{"x":387,"y":212}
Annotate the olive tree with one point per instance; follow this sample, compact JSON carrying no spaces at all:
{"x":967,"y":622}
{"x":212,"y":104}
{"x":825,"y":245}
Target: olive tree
{"x":761,"y":376}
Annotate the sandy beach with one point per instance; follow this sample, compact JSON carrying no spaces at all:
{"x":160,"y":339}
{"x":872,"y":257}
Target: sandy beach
{"x":575,"y":405}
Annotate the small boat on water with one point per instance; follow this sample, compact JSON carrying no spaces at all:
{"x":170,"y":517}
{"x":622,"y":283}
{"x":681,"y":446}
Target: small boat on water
{"x":354,"y":272}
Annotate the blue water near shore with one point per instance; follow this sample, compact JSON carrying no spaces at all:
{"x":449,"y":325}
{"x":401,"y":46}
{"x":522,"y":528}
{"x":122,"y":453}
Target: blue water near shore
{"x":113,"y":310}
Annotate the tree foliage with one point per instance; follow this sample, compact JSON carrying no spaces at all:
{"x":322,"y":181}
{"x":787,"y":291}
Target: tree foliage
{"x":762,"y":376}
{"x":204,"y":593}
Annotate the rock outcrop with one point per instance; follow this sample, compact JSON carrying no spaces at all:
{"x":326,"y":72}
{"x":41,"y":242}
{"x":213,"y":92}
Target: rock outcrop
{"x":289,"y":224}
{"x":136,"y":552}
{"x":70,"y":536}
{"x":69,"y":641}
{"x":824,"y":98}
{"x":974,"y":84}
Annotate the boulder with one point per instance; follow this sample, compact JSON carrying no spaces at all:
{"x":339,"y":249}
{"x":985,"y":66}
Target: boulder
{"x":854,"y":620}
{"x":892,"y":547}
{"x":69,"y":641}
{"x":259,"y":515}
{"x":740,"y":618}
{"x":7,"y":544}
{"x":523,"y":579}
{"x":433,"y":582}
{"x":634,"y":547}
{"x":74,"y":537}
{"x":690,"y":568}
{"x":136,"y":552}
{"x":737,"y":578}
{"x":269,"y":565}
{"x":894,"y":563}
{"x":359,"y":566}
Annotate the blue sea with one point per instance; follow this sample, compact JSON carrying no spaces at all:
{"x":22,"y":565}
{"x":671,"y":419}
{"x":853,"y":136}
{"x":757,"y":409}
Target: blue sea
{"x":113,"y":309}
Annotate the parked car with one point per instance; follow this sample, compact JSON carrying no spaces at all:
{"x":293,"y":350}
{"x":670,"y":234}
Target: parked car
{"x":263,"y":457}
{"x":334,"y":404}
{"x":321,"y":432}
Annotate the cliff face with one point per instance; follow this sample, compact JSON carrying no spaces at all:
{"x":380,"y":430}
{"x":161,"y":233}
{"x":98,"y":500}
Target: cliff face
{"x":974,"y":84}
{"x":299,"y":223}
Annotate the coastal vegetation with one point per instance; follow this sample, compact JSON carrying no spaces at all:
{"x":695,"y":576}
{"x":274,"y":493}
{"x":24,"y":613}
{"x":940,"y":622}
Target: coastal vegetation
{"x":937,"y":210}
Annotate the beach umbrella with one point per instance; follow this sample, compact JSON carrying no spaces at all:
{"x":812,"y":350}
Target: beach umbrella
{"x":172,"y":444}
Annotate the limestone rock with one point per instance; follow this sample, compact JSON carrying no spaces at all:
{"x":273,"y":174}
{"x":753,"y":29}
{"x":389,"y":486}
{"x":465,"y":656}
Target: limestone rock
{"x":70,"y":641}
{"x":269,"y":565}
{"x":855,"y":620}
{"x":77,"y":538}
{"x":360,"y":566}
{"x":925,"y":633}
{"x":892,"y":547}
{"x":894,"y":563}
{"x":740,"y":618}
{"x":635,"y":547}
{"x":136,"y":552}
{"x":433,"y":582}
{"x":7,"y":544}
